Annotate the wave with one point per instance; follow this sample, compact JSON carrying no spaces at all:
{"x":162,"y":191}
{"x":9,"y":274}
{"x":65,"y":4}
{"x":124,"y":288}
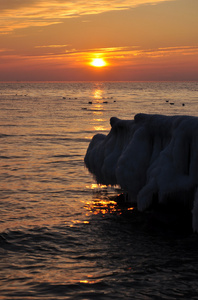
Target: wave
{"x":153,"y":158}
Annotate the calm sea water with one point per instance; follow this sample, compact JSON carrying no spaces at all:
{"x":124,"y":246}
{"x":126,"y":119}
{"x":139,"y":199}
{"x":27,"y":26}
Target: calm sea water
{"x":61,"y":235}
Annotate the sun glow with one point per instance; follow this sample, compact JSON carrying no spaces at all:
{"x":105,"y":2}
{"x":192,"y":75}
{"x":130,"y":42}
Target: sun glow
{"x":98,"y":62}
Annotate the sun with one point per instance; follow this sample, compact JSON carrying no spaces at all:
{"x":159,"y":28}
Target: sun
{"x":98,"y":62}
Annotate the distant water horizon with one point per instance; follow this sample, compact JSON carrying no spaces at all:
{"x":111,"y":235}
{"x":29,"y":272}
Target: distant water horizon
{"x":94,"y":81}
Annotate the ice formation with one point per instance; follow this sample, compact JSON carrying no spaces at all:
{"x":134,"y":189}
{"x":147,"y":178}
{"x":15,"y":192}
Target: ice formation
{"x":154,"y":158}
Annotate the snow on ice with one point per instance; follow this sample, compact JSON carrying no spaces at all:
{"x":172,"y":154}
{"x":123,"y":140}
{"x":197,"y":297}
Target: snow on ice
{"x":150,"y":157}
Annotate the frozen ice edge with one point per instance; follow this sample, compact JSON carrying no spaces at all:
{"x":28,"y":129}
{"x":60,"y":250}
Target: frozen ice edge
{"x":152,"y":158}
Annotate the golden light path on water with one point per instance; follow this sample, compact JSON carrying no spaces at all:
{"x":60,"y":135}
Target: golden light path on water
{"x":98,"y":108}
{"x":103,"y":201}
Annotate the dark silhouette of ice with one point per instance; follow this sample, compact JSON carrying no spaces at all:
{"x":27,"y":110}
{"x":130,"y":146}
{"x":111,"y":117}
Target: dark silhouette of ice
{"x":154,"y":158}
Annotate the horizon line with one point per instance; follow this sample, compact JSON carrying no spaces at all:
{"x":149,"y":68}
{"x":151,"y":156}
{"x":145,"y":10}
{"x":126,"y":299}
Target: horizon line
{"x":84,"y":81}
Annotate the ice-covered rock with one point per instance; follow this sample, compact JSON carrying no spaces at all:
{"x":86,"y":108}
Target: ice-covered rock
{"x":151,"y":157}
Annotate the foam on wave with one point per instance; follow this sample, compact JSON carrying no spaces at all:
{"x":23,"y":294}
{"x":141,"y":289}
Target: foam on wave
{"x":151,"y":157}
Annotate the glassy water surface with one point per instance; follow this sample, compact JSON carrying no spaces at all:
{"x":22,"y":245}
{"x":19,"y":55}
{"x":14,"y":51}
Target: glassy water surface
{"x":61,"y":235}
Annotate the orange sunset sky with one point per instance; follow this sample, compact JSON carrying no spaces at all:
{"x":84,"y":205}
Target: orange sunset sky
{"x":137,"y":40}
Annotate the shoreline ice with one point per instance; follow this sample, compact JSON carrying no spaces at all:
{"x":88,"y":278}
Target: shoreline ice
{"x":154,"y":158}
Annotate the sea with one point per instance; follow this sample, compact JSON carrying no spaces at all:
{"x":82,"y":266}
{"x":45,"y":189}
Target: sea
{"x":62,"y":236}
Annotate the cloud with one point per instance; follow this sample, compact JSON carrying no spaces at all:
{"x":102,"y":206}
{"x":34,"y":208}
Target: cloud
{"x":128,"y":57}
{"x":120,"y":62}
{"x":16,"y":14}
{"x":125,"y":53}
{"x":5,"y":50}
{"x":123,"y":63}
{"x":115,"y":56}
{"x":52,"y":46}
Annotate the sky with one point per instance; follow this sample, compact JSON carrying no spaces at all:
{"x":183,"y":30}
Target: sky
{"x":136,"y":40}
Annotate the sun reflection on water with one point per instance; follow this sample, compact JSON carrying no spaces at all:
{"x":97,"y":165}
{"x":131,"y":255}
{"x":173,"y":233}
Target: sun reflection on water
{"x":104,"y":201}
{"x":88,"y":281}
{"x":100,"y":128}
{"x":101,"y":206}
{"x":98,"y":94}
{"x":98,"y":110}
{"x":74,"y":222}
